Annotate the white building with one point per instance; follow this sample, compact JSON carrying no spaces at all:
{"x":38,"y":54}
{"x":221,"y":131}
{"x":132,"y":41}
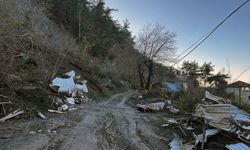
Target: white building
{"x":241,"y":91}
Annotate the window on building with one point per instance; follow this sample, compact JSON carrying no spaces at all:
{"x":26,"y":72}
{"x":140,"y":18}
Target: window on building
{"x":247,"y":89}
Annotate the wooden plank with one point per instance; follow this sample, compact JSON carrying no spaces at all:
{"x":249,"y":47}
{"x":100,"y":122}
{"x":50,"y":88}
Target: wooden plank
{"x":41,"y":115}
{"x":15,"y":113}
{"x":55,"y":111}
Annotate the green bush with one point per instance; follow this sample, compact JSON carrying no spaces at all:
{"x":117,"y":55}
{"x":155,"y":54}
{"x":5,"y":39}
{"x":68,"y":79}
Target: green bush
{"x":186,"y":101}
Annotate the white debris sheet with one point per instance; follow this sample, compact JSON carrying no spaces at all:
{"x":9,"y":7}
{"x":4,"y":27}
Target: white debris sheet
{"x":176,"y":144}
{"x":68,"y":84}
{"x":238,"y":146}
{"x":75,"y":88}
{"x":209,"y":133}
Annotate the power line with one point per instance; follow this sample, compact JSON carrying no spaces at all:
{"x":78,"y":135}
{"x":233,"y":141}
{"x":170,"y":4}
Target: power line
{"x":194,"y":43}
{"x":212,"y":31}
{"x":244,"y":71}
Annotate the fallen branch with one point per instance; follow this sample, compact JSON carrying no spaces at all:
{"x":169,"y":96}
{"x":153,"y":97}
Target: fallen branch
{"x":4,"y":96}
{"x":25,"y":34}
{"x":15,"y":113}
{"x":13,"y":76}
{"x":55,"y":111}
{"x":32,"y":110}
{"x":41,"y":115}
{"x":2,"y":103}
{"x":182,"y":130}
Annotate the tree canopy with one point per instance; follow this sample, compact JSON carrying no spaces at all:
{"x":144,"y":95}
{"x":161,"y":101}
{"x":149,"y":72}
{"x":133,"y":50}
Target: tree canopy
{"x":156,"y":44}
{"x":202,"y":75}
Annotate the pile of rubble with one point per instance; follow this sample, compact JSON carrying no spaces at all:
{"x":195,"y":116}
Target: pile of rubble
{"x":221,"y":114}
{"x":157,"y":106}
{"x":218,"y":114}
{"x":70,"y":90}
{"x":151,"y":106}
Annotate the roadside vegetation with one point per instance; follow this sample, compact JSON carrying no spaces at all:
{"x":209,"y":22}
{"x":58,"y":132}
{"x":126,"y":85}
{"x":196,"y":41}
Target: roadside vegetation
{"x":198,"y":79}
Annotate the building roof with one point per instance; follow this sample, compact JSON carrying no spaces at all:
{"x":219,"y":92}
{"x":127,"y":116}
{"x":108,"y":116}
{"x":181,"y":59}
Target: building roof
{"x":238,"y":84}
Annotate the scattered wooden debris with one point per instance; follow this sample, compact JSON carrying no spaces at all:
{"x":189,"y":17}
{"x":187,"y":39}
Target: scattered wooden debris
{"x":182,"y":130}
{"x":172,"y":121}
{"x":226,"y":117}
{"x":11,"y":115}
{"x":173,"y":110}
{"x":41,"y":115}
{"x":176,"y":144}
{"x":151,"y":106}
{"x":165,"y":125}
{"x":4,"y":96}
{"x":32,"y":132}
{"x":208,"y":133}
{"x":71,"y":90}
{"x":39,"y":131}
{"x":55,"y":111}
{"x":3,"y":103}
{"x":219,"y":113}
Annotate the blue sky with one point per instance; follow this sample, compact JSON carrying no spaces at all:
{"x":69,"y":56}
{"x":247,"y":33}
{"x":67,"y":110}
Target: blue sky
{"x":190,"y":20}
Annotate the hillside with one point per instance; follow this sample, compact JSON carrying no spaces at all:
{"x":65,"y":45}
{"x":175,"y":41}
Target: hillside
{"x":40,"y":40}
{"x":34,"y":49}
{"x":73,"y":77}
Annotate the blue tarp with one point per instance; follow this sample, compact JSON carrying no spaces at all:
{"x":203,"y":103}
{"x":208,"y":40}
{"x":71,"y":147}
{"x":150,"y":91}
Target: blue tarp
{"x":172,"y":87}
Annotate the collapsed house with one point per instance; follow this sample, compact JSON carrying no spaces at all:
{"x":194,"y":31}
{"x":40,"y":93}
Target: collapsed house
{"x":240,"y":90}
{"x":221,"y":114}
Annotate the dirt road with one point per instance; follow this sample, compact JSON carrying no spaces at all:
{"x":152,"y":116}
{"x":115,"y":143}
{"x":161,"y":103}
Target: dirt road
{"x":106,"y":125}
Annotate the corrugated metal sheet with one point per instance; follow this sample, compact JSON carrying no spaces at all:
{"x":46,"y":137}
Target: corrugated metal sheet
{"x":238,"y":146}
{"x":176,"y":144}
{"x":212,"y":99}
{"x":226,"y":117}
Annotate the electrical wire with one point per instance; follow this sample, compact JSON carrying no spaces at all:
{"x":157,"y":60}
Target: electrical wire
{"x":244,"y":71}
{"x":212,"y":31}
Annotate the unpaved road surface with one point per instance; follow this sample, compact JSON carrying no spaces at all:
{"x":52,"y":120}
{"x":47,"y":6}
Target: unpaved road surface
{"x":105,"y":125}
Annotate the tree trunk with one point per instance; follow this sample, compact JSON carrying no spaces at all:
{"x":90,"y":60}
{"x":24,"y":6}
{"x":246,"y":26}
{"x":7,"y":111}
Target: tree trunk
{"x":79,"y":25}
{"x":150,"y":66}
{"x":141,"y":76}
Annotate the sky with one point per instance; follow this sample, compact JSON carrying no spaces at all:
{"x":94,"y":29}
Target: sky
{"x":192,"y":19}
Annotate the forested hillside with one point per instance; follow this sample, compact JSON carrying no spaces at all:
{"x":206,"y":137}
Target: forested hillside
{"x":43,"y":39}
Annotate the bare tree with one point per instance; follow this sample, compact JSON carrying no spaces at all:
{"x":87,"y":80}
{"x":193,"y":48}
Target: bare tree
{"x":156,"y":44}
